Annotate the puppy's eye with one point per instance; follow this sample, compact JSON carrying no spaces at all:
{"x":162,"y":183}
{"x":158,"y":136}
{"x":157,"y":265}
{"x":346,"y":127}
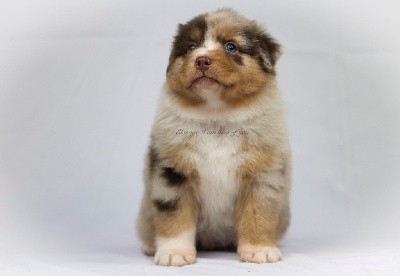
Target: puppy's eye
{"x":192,"y":45}
{"x":231,"y":47}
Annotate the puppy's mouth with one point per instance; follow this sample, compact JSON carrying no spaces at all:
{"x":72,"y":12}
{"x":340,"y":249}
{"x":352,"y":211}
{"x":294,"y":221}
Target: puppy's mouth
{"x":205,"y":80}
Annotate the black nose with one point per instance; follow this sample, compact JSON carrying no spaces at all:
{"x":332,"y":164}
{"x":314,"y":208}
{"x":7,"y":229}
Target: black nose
{"x":203,"y":63}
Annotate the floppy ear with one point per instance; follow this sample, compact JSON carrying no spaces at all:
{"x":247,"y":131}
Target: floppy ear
{"x":270,"y":51}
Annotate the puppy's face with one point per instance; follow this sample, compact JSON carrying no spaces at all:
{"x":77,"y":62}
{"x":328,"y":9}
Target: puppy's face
{"x":220,"y":60}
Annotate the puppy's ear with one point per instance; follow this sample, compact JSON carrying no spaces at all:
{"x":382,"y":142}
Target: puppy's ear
{"x":270,"y":51}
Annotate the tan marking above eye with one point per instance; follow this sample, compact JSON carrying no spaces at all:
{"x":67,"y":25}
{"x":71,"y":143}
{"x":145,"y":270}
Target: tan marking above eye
{"x":227,"y":33}
{"x":238,"y":39}
{"x":196,"y":34}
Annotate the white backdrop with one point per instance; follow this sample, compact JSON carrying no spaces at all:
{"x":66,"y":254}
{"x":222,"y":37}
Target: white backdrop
{"x":79,"y":81}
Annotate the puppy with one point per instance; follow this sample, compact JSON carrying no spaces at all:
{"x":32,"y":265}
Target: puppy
{"x":217,"y":173}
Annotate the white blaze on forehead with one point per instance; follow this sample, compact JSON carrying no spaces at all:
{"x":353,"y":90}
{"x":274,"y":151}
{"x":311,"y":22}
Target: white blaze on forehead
{"x":209,"y":44}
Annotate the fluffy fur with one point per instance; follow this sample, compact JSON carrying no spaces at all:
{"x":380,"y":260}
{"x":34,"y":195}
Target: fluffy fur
{"x":217,"y":173}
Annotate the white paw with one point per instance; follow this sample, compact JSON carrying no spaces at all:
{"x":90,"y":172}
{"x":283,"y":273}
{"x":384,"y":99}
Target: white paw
{"x":259,"y":254}
{"x":175,"y":257}
{"x":176,"y":251}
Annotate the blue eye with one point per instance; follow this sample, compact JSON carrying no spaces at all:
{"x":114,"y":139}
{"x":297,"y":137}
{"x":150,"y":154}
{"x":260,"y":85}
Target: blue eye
{"x":192,"y":45}
{"x":231,"y":47}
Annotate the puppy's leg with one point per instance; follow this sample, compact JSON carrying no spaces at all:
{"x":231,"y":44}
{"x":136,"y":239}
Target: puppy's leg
{"x":145,"y":227}
{"x":145,"y":222}
{"x":175,"y":219}
{"x":258,"y":210}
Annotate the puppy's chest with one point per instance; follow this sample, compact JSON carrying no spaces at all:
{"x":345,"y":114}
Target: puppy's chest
{"x":217,"y":158}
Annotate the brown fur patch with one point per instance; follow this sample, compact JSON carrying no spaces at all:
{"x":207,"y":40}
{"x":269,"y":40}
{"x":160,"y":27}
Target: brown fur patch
{"x":238,"y":59}
{"x":251,"y":81}
{"x":256,"y":220}
{"x":176,"y":156}
{"x":184,"y":217}
{"x":226,"y":33}
{"x":197,"y":34}
{"x":257,"y":216}
{"x":260,"y":158}
{"x":178,"y":85}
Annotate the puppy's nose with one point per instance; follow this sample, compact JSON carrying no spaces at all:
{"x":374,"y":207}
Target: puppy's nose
{"x":203,"y":63}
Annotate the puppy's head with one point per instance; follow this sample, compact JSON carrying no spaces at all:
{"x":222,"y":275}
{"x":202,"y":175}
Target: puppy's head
{"x":221,"y":60}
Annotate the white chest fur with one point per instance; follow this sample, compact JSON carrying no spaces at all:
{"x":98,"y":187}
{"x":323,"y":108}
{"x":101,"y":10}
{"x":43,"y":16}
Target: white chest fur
{"x":216,"y":160}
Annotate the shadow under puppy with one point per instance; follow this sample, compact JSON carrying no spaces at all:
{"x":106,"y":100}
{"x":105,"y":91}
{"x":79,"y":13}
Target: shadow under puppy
{"x":217,"y":172}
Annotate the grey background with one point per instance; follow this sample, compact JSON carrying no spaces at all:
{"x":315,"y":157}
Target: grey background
{"x":79,"y":82}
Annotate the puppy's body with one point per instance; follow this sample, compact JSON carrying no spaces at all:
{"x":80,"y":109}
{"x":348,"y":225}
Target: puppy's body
{"x":218,"y":168}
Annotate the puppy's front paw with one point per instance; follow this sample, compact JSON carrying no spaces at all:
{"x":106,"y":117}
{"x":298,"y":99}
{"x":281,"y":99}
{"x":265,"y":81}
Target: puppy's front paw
{"x":259,"y":254}
{"x":175,"y":257}
{"x":178,"y":250}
